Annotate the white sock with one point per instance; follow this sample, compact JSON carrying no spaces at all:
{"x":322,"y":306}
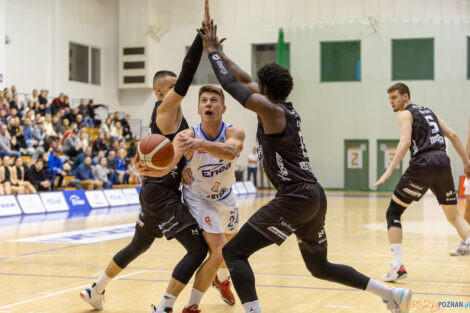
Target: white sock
{"x":167,"y":301}
{"x":252,"y":307}
{"x":196,"y":297}
{"x":380,"y":290}
{"x":396,"y":253}
{"x":102,"y":282}
{"x":223,"y":274}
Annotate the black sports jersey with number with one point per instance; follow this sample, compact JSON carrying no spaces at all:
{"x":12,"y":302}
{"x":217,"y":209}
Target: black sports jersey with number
{"x":173,"y":179}
{"x":426,"y":132}
{"x":284,"y":156}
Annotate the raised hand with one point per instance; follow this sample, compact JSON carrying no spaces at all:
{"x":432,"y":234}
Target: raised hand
{"x":209,"y":37}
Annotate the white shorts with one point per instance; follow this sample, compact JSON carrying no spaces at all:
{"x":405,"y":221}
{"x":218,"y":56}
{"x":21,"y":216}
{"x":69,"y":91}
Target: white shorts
{"x":466,"y":185}
{"x":213,"y":216}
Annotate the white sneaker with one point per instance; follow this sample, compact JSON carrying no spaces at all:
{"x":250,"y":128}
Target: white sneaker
{"x":400,"y":300}
{"x":92,"y":297}
{"x":165,"y":310}
{"x":462,"y":249}
{"x":395,"y":273}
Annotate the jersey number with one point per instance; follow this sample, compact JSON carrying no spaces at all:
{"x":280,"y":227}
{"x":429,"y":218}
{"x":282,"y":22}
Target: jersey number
{"x":432,"y":124}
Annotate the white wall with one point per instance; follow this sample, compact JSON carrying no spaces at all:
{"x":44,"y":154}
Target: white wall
{"x":2,"y":41}
{"x":37,"y":56}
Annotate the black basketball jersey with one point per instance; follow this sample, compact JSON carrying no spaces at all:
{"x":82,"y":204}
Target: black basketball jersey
{"x":426,"y":132}
{"x":172,"y":179}
{"x":284,"y":156}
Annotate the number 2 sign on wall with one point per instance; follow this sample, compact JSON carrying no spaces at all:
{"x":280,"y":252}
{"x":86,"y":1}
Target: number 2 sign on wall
{"x":355,"y":157}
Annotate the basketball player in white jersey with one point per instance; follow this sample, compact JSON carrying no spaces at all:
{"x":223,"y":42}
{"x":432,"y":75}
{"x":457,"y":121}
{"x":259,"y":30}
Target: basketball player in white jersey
{"x":210,"y":150}
{"x":462,"y":249}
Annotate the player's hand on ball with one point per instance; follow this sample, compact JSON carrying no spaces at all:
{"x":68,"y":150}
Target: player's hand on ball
{"x":188,"y":177}
{"x":188,"y":144}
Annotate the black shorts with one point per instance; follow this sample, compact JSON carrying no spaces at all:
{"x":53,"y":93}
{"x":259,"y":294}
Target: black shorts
{"x":298,"y":208}
{"x":430,"y":170}
{"x":163,"y":213}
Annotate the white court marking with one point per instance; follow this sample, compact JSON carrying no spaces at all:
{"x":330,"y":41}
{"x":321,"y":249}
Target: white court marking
{"x":339,"y":306}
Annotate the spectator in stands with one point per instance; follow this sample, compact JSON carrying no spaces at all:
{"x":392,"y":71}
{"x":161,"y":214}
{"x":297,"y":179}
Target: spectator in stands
{"x":114,"y":146}
{"x":91,"y":111}
{"x":66,"y":105}
{"x":73,"y":114}
{"x":96,"y":159}
{"x":132,"y":149}
{"x":29,"y":108}
{"x":126,"y":128}
{"x":122,"y":145}
{"x":79,"y":121}
{"x":83,"y":140}
{"x":116,"y":116}
{"x":116,"y":130}
{"x":65,"y":125}
{"x":13,"y":113}
{"x":101,"y":172}
{"x":106,"y":126}
{"x":121,"y":166}
{"x":18,"y":177}
{"x":86,"y":177}
{"x":16,"y":133}
{"x":33,"y":97}
{"x":5,"y":143}
{"x":13,"y":89}
{"x":39,"y":132}
{"x":134,"y":174}
{"x":3,"y":116}
{"x":82,"y":107}
{"x":56,"y":167}
{"x":37,"y":175}
{"x":57,"y":125}
{"x":99,"y":144}
{"x":9,"y":185}
{"x":43,"y":97}
{"x":113,"y":175}
{"x":48,"y":126}
{"x":17,"y":104}
{"x":29,"y":140}
{"x":6,"y":94}
{"x":57,"y":104}
{"x":79,"y":159}
{"x":71,"y":146}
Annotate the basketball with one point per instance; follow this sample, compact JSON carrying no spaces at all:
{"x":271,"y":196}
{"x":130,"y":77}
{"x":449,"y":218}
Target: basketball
{"x":156,"y":151}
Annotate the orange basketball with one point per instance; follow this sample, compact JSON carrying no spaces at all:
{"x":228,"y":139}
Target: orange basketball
{"x":156,"y":151}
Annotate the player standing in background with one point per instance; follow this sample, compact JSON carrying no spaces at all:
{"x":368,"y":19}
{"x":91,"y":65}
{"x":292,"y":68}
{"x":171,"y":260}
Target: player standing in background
{"x":423,"y":133}
{"x":462,"y":248}
{"x":299,"y":206}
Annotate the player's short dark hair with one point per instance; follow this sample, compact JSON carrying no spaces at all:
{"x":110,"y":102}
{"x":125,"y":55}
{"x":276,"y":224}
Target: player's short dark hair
{"x":402,"y":89}
{"x":213,"y":89}
{"x":277,"y":81}
{"x":162,"y":75}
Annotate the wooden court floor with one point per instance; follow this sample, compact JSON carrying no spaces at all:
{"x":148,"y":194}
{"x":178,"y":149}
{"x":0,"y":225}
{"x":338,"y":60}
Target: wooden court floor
{"x":47,"y":277}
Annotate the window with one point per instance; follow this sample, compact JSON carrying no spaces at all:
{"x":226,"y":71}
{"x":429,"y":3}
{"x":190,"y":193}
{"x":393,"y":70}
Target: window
{"x":262,"y":54}
{"x":413,"y":59}
{"x":468,"y":57}
{"x":84,"y":64}
{"x":204,"y":74}
{"x":340,"y":61}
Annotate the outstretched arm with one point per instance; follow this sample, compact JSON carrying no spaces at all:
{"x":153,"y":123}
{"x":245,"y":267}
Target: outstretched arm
{"x":405,"y":121}
{"x":239,"y":74}
{"x":227,"y":150}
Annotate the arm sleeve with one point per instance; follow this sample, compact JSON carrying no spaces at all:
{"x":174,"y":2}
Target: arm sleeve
{"x":190,"y":64}
{"x":228,"y":81}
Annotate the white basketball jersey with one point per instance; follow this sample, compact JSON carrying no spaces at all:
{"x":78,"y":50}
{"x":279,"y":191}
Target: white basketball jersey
{"x":213,"y":177}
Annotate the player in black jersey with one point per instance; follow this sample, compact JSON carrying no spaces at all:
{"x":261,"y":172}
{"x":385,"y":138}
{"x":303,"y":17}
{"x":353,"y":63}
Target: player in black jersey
{"x":422,"y":131}
{"x":299,"y":206}
{"x":163,"y":213}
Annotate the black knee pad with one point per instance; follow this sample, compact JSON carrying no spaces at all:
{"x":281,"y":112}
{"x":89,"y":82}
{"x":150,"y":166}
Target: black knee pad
{"x":139,"y":244}
{"x":196,"y":252}
{"x":393,"y":214}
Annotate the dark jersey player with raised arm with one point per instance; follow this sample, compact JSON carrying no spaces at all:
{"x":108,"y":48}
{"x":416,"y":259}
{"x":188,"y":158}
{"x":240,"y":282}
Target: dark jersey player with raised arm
{"x":299,"y":206}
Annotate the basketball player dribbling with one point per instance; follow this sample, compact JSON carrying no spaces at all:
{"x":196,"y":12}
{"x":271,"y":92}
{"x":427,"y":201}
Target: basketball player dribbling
{"x":422,"y":131}
{"x":299,"y":206}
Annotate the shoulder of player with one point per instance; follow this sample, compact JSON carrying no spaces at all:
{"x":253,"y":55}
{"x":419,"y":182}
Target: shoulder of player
{"x":188,"y":132}
{"x":404,"y":116}
{"x":235,"y":132}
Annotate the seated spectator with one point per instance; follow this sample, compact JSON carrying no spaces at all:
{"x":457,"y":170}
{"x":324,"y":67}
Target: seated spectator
{"x":71,"y":145}
{"x":9,"y":185}
{"x":65,"y":126}
{"x":91,"y":112}
{"x":79,"y":121}
{"x":72,"y":116}
{"x":99,"y":144}
{"x":101,"y":172}
{"x":18,"y":177}
{"x":56,"y":167}
{"x":126,"y":128}
{"x":83,"y":140}
{"x":57,"y":125}
{"x":39,"y":132}
{"x":48,"y":126}
{"x":132,"y":149}
{"x":43,"y":97}
{"x":38,"y":176}
{"x":16,"y":134}
{"x":3,"y":116}
{"x":134,"y":174}
{"x":116,"y":116}
{"x":113,"y":175}
{"x":33,"y":97}
{"x":5,"y":143}
{"x":17,"y":104}
{"x":30,"y":142}
{"x":96,"y":159}
{"x":116,"y":130}
{"x":85,"y":175}
{"x":121,"y":167}
{"x":79,"y":159}
{"x":57,"y":104}
{"x":106,"y":126}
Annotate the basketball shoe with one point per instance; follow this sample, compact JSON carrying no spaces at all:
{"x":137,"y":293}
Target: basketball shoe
{"x":396,"y":272}
{"x":92,"y":297}
{"x":224,"y":289}
{"x":462,"y":249}
{"x":400,"y":300}
{"x":192,"y":309}
{"x":165,"y":310}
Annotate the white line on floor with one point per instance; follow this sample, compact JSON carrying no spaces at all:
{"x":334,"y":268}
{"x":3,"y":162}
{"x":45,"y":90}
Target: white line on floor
{"x":339,"y":306}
